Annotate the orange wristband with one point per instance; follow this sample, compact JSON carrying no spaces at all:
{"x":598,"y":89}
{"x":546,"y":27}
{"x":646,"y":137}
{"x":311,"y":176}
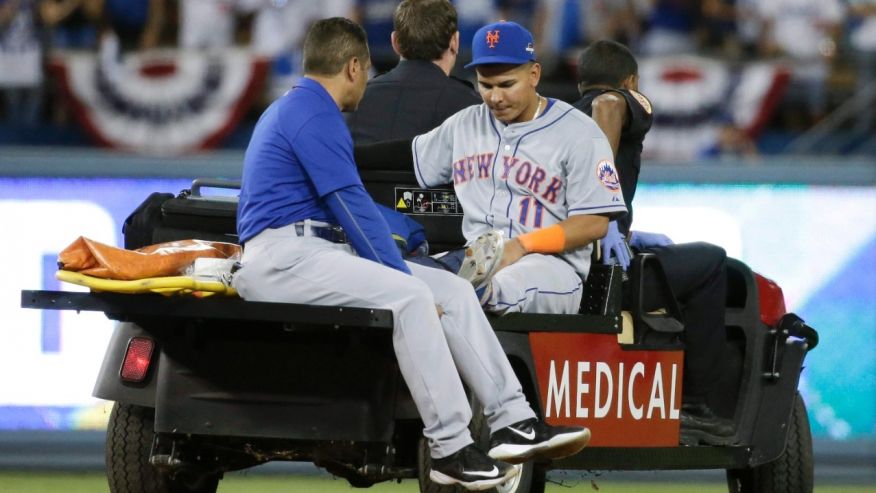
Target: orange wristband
{"x":545,"y":240}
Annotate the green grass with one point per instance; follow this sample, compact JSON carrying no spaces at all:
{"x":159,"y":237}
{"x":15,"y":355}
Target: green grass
{"x":259,"y":483}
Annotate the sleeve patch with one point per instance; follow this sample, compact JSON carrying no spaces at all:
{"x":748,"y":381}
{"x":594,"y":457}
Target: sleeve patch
{"x":608,"y":176}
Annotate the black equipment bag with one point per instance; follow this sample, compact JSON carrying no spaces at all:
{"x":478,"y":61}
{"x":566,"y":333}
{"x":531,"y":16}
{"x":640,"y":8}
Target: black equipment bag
{"x":190,"y":215}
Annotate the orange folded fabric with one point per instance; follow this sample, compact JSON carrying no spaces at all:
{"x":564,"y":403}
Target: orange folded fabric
{"x":97,"y":259}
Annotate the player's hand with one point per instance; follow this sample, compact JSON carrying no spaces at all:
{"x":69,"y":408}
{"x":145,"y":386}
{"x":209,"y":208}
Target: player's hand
{"x":440,"y":310}
{"x":641,"y":240}
{"x":512,"y":252}
{"x":614,"y":247}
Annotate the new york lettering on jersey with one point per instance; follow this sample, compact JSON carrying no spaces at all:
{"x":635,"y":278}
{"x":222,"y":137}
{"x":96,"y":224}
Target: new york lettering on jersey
{"x":527,"y":175}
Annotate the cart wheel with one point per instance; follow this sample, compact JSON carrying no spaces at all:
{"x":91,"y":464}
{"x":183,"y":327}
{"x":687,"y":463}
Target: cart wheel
{"x":530,"y":479}
{"x":128,"y":443}
{"x":792,"y":472}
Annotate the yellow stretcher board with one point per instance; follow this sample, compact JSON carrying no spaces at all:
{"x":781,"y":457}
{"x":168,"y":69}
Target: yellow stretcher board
{"x":175,"y":285}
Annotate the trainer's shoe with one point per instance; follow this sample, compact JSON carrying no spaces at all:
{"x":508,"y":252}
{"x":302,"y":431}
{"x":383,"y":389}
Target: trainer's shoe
{"x":472,"y":469}
{"x":531,"y":438}
{"x":700,"y":425}
{"x":482,"y":258}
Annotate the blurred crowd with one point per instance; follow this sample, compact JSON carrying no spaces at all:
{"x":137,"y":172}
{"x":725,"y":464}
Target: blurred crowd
{"x":830,"y":45}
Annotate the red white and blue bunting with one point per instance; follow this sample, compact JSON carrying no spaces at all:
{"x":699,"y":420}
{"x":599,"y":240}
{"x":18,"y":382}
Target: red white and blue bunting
{"x":694,"y":97}
{"x":160,"y":103}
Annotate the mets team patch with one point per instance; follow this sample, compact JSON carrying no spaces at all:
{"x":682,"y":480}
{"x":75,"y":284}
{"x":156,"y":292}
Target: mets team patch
{"x":608,"y":175}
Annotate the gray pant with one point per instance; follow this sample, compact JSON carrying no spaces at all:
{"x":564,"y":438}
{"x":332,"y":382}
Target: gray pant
{"x":534,"y":284}
{"x":432,"y":352}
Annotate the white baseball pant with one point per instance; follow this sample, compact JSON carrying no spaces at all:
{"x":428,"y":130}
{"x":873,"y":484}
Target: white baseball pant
{"x":432,"y":352}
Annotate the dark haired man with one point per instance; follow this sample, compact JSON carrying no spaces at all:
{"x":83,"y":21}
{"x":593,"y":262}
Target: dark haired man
{"x":418,"y":94}
{"x":311,"y":234}
{"x":608,"y":78}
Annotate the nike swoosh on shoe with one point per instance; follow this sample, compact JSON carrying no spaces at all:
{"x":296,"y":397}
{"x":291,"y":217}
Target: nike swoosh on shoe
{"x":528,"y":436}
{"x":486,"y":474}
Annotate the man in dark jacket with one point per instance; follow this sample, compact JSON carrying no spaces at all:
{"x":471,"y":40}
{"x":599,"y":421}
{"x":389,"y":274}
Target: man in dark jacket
{"x":419,"y":93}
{"x":608,"y":83}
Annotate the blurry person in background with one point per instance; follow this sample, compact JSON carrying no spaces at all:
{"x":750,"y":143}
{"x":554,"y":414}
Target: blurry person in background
{"x":127,"y":26}
{"x":470,"y":16}
{"x":749,"y":27}
{"x":532,"y":15}
{"x":136,"y":24}
{"x":719,"y":28}
{"x":563,"y":25}
{"x":863,"y":41}
{"x":619,"y":20}
{"x":21,"y":71}
{"x":732,"y":143}
{"x":527,"y":13}
{"x":278,"y":30}
{"x":376,"y":17}
{"x":206,"y":24}
{"x":805,"y":33}
{"x":671,"y":28}
{"x":72,"y":23}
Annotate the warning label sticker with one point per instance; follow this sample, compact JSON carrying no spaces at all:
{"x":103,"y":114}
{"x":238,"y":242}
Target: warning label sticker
{"x":427,"y":201}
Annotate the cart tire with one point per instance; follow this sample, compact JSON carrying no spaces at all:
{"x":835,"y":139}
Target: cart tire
{"x":792,"y":472}
{"x":530,"y":479}
{"x":128,"y":444}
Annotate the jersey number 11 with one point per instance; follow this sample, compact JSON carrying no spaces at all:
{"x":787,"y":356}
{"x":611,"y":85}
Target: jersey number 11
{"x":537,"y":210}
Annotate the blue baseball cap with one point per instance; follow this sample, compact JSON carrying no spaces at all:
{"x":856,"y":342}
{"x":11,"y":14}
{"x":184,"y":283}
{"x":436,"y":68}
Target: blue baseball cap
{"x":502,"y":42}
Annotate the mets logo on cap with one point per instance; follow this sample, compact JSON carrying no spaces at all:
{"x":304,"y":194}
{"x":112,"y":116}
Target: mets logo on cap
{"x":493,"y":38}
{"x":608,"y":175}
{"x":502,"y":42}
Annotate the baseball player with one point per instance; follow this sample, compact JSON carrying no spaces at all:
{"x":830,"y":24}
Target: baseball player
{"x":608,"y":83}
{"x":534,"y":169}
{"x":311,"y":234}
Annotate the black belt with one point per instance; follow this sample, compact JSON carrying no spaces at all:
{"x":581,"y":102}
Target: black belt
{"x":334,"y":234}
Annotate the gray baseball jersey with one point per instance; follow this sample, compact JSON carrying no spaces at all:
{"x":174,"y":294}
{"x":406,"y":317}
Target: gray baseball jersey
{"x":524,"y":176}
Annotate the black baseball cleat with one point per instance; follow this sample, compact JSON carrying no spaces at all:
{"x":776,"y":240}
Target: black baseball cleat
{"x":531,"y":438}
{"x":700,"y":425}
{"x":472,"y":469}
